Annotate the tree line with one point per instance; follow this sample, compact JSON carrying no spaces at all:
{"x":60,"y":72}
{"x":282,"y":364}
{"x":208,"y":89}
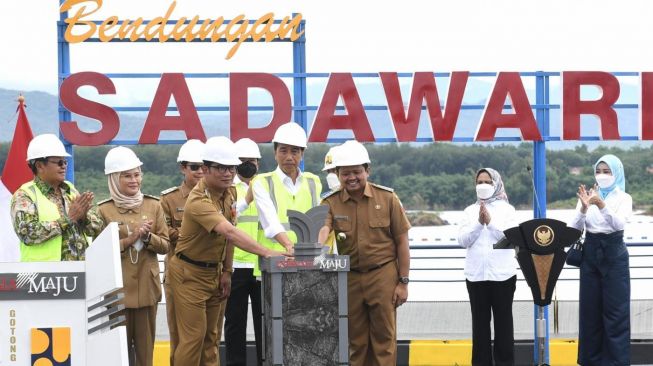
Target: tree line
{"x":433,"y":176}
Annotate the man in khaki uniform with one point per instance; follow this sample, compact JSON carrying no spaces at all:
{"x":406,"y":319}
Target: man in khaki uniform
{"x":172,"y":202}
{"x":143,"y":234}
{"x":371,"y":227}
{"x":195,"y":272}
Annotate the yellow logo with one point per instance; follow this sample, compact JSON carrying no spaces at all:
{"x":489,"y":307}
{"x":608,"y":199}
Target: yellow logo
{"x":50,"y":346}
{"x":543,"y":235}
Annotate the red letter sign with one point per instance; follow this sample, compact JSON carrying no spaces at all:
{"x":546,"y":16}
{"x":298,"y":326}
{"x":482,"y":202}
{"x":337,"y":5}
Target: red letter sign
{"x":341,"y":84}
{"x":424,"y":89}
{"x":508,"y":86}
{"x":107,"y":117}
{"x":239,"y":84}
{"x":647,"y":106}
{"x":187,"y":120}
{"x":573,"y":106}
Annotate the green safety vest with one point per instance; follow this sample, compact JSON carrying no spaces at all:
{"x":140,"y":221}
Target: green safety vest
{"x":247,"y":222}
{"x":50,"y":250}
{"x":306,"y":198}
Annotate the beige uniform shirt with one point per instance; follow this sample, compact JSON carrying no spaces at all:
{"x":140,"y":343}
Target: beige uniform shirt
{"x":173,"y":201}
{"x":203,"y":211}
{"x":140,"y":270}
{"x":370,"y":225}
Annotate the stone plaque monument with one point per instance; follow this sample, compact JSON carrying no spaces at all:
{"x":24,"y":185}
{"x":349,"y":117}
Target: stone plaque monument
{"x":305,"y":300}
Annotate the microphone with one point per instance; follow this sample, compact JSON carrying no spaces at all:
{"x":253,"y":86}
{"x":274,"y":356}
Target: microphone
{"x":537,"y":201}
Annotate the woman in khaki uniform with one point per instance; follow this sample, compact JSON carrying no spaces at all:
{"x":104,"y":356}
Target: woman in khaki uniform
{"x":143,"y":235}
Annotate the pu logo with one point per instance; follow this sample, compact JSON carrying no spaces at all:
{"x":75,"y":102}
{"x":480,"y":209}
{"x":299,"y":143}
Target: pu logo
{"x":51,"y":347}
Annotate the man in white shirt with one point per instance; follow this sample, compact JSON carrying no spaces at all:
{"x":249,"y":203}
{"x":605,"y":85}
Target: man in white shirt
{"x":287,"y":187}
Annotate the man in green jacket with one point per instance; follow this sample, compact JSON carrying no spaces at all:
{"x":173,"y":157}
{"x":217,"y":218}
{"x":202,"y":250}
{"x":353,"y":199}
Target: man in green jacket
{"x":51,"y":219}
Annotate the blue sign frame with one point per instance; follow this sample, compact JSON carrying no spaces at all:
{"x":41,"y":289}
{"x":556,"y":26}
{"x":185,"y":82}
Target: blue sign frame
{"x":300,"y":108}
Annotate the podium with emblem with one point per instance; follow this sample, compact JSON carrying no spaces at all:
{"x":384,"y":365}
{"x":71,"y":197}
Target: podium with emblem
{"x":540,"y":244}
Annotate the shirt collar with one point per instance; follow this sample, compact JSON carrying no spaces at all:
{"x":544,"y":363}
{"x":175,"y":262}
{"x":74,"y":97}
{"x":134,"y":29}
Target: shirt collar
{"x":185,"y":191}
{"x":46,"y":189}
{"x":283,"y":175}
{"x":201,"y":185}
{"x":367,"y":191}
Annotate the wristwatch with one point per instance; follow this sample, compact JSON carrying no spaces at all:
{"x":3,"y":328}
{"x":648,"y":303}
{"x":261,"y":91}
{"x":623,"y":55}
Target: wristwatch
{"x":404,"y":280}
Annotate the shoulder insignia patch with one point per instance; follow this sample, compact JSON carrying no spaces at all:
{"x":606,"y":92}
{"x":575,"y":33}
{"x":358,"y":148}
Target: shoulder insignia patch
{"x":151,"y":196}
{"x":105,"y":201}
{"x":169,"y":190}
{"x":382,"y":187}
{"x":328,"y":194}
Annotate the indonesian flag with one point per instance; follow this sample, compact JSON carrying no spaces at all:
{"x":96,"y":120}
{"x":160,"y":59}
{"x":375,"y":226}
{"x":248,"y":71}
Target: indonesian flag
{"x":15,"y":173}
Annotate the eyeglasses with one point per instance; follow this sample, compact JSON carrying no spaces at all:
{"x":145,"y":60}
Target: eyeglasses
{"x":223,"y":168}
{"x":61,"y":163}
{"x":193,"y":167}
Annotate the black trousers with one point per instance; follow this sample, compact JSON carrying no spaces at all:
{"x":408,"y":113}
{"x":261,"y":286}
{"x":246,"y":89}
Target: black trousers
{"x":244,"y":286}
{"x":492,"y":299}
{"x":604,"y":307}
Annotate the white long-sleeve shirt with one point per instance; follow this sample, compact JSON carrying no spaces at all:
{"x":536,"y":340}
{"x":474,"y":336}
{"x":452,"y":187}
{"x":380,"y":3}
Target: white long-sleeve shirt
{"x":241,"y":203}
{"x":267,"y":214}
{"x":483,"y":262}
{"x":618,"y":207}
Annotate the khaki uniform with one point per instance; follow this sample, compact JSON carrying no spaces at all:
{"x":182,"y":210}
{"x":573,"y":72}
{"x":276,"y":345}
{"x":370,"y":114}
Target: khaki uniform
{"x":195,"y":286}
{"x":370,"y":226}
{"x":172,"y":202}
{"x":140,"y":273}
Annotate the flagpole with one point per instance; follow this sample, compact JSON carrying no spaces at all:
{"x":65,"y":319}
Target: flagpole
{"x":14,"y":174}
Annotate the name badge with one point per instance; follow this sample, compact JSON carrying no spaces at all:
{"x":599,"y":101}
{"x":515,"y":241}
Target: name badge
{"x":341,"y":217}
{"x":180,"y":209}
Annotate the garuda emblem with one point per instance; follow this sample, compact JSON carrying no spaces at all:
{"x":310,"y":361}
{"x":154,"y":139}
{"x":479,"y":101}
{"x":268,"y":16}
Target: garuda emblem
{"x":543,"y":235}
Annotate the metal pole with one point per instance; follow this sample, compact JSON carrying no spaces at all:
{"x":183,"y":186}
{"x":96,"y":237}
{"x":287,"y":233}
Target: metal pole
{"x":63,"y":68}
{"x":541,"y":336}
{"x":299,"y":82}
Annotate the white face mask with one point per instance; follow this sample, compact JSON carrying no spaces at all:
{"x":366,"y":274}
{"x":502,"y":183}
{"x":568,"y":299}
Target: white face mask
{"x":484,"y":191}
{"x":332,"y":181}
{"x":605,"y":180}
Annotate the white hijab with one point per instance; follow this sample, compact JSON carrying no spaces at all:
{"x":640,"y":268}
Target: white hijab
{"x":121,"y":200}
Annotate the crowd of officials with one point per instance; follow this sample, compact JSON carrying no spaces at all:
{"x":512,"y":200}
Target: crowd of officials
{"x":225,"y":214}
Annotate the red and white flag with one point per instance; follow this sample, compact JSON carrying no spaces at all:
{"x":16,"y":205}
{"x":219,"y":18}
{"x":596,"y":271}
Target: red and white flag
{"x":15,"y":173}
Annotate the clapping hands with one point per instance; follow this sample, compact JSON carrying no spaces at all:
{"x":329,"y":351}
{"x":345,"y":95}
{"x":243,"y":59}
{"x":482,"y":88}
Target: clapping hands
{"x":589,"y":197}
{"x":80,"y":205}
{"x":483,"y":215}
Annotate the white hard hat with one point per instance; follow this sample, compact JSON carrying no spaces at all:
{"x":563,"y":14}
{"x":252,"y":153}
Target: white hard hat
{"x":120,"y":159}
{"x":328,"y":158}
{"x":45,"y":145}
{"x":191,"y":151}
{"x":247,"y":148}
{"x":290,"y":133}
{"x":351,"y":153}
{"x":221,"y":150}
